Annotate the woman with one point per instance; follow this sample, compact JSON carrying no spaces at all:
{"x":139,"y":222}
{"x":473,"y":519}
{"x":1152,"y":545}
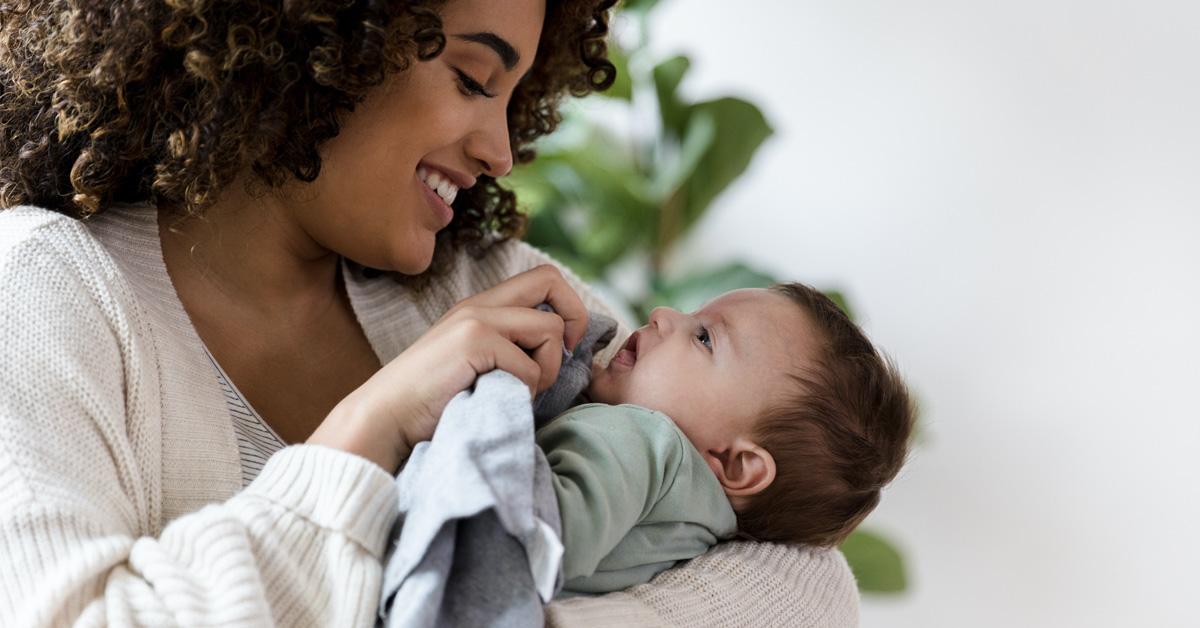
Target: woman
{"x":183,"y":182}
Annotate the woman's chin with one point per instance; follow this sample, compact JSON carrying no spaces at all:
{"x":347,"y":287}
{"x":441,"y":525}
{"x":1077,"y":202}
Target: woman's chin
{"x":409,"y":258}
{"x":414,"y":267}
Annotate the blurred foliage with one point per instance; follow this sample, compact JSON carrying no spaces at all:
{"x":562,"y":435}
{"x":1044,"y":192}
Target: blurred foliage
{"x":599,"y":198}
{"x":875,"y":563}
{"x":596,"y":197}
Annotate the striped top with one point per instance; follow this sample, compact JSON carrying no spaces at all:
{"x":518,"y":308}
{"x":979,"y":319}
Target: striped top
{"x":255,"y":439}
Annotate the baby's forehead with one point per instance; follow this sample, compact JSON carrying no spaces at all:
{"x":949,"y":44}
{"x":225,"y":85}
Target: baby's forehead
{"x":762,"y":323}
{"x":740,"y":300}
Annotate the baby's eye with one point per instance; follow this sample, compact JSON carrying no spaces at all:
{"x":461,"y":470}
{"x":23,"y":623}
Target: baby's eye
{"x":704,"y":338}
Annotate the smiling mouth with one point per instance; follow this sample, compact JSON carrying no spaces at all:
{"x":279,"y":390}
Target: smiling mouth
{"x":440,"y":184}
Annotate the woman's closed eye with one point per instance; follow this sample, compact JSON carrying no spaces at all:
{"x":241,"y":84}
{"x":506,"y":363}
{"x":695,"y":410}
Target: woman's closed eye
{"x":470,"y":87}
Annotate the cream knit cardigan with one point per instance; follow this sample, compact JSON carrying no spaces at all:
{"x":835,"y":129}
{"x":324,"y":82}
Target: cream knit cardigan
{"x":120,"y":486}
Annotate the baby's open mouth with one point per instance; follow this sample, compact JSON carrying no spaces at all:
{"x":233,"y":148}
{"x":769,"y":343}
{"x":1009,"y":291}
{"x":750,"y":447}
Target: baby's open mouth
{"x":628,"y":353}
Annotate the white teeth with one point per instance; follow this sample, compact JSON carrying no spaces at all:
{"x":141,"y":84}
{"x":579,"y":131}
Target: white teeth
{"x":436,"y":182}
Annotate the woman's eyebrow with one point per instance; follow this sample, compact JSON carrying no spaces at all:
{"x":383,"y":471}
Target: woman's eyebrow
{"x":508,"y":55}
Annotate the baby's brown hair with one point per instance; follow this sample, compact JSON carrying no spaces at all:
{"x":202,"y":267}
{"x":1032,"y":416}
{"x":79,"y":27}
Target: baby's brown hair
{"x":836,"y":441}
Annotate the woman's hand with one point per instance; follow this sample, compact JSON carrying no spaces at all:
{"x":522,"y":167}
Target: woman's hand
{"x":499,"y":328}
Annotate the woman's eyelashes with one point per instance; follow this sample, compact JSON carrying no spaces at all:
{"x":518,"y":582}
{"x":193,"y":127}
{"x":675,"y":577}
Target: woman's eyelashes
{"x":471,"y":87}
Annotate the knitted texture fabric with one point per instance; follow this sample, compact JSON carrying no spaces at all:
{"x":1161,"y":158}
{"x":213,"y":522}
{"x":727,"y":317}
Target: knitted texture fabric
{"x":121,"y":499}
{"x":764,"y":585}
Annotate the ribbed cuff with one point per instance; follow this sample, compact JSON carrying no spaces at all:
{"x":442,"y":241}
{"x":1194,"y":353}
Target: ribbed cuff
{"x":333,"y":489}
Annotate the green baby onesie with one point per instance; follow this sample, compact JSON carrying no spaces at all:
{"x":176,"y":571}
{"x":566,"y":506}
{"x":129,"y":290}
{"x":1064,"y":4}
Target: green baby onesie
{"x":634,"y":494}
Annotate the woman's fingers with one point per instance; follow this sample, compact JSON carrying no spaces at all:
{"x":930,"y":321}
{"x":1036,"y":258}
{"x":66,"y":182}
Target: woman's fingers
{"x":569,"y":307}
{"x":538,"y":333}
{"x":548,"y":357}
{"x":400,"y":405}
{"x":542,"y":284}
{"x":508,"y":357}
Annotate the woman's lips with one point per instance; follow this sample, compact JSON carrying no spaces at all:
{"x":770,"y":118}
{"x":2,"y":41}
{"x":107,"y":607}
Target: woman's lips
{"x":444,"y":212}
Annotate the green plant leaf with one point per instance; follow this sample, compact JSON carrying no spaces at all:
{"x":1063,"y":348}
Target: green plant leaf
{"x":671,"y":178}
{"x":544,"y":230}
{"x":667,"y":77}
{"x":604,"y":207}
{"x":689,"y":293}
{"x":622,"y":87}
{"x":617,"y":208}
{"x":740,"y":129}
{"x":876,"y":564}
{"x":671,"y":175}
{"x":534,"y":192}
{"x":642,"y":6}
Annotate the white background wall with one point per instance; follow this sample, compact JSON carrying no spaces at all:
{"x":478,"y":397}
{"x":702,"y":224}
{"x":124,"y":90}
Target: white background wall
{"x":1009,"y":192}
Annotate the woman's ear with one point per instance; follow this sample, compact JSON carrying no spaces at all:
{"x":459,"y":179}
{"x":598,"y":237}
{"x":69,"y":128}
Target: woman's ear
{"x":743,"y":468}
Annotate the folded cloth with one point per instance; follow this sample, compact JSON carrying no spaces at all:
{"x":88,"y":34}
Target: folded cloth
{"x":478,"y":542}
{"x":576,"y":370}
{"x":478,"y":537}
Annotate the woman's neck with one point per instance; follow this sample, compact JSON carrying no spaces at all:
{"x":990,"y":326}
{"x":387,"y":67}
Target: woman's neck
{"x":252,"y":252}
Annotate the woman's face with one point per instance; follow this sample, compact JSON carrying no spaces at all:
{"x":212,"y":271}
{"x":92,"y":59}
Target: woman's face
{"x":444,"y":118}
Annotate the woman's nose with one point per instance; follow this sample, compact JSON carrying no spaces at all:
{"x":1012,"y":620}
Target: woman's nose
{"x":489,"y":145}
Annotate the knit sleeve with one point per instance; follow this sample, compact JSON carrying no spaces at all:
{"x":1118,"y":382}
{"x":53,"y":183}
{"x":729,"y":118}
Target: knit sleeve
{"x":80,"y":499}
{"x":734,"y":584}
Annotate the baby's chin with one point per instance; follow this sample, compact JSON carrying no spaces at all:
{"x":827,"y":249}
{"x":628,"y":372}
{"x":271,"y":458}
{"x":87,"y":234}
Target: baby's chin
{"x":601,"y":389}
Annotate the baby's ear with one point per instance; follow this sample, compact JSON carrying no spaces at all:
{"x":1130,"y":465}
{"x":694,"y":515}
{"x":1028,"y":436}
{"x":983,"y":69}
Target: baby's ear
{"x":743,"y":468}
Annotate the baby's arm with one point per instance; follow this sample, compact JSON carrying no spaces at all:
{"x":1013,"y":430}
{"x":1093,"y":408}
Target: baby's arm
{"x":611,"y":465}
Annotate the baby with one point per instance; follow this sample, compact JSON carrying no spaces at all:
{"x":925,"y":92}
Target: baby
{"x":767,"y":415}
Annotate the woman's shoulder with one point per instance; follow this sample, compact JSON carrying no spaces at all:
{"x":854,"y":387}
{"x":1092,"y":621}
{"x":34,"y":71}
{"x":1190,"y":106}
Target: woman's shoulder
{"x":37,"y":242}
{"x":51,"y":264}
{"x":27,"y":226}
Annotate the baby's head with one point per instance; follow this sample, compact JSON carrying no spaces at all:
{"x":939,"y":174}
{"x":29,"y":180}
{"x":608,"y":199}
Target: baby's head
{"x":800,"y":418}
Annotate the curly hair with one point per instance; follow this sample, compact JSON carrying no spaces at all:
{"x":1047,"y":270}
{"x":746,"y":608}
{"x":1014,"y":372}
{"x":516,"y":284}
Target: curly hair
{"x":167,"y":101}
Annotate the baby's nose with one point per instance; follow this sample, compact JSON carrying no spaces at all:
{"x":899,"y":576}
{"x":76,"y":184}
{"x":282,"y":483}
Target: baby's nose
{"x":662,"y":318}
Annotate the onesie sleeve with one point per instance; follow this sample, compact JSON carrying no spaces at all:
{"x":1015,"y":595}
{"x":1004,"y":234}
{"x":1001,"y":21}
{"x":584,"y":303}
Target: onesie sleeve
{"x":611,"y":465}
